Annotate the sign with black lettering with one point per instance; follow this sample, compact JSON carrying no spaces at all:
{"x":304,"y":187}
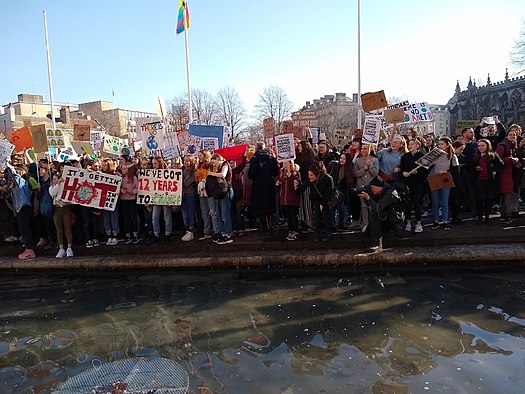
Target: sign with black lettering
{"x":159,"y":187}
{"x":90,"y":188}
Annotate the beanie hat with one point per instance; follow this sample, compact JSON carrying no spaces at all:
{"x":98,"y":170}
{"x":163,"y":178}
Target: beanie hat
{"x":377,"y":181}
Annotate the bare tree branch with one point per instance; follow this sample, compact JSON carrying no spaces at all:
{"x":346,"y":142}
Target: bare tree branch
{"x":231,"y":111}
{"x":274,"y":103}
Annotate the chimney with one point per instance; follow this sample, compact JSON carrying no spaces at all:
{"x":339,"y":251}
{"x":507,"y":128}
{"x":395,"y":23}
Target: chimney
{"x":340,"y":97}
{"x":65,"y":116}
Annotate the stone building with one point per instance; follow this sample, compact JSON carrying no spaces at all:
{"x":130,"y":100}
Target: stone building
{"x":505,"y":99}
{"x":328,"y":113}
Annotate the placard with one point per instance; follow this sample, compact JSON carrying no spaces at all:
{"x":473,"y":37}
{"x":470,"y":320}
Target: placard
{"x":285,"y":147}
{"x":430,"y":158}
{"x":81,"y":132}
{"x":82,"y":147}
{"x":418,"y":112}
{"x":194,"y":145}
{"x":341,"y":137}
{"x":394,"y":115}
{"x":21,"y":138}
{"x":373,"y":100}
{"x":170,"y":152}
{"x":39,"y":138}
{"x":96,"y":137}
{"x":314,"y":132}
{"x":159,"y":187}
{"x":152,"y":136}
{"x":210,"y":143}
{"x":6,"y":148}
{"x":55,"y":139}
{"x":371,"y":130}
{"x":440,"y":181}
{"x":90,"y":188}
{"x":113,"y":145}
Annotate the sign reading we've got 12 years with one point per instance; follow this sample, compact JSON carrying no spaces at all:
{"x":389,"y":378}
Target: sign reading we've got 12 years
{"x":160,"y":187}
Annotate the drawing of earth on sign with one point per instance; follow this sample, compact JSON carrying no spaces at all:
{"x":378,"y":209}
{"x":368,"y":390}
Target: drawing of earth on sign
{"x":85,"y":193}
{"x":151,"y":144}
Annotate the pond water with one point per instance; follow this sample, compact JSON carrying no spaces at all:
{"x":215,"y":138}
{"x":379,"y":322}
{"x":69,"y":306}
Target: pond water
{"x":301,"y":331}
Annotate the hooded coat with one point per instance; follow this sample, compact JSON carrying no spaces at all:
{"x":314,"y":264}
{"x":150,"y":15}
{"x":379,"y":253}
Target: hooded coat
{"x":263,"y":169}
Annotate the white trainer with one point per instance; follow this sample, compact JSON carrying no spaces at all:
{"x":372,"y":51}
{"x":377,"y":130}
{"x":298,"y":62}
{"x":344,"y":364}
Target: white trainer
{"x":61,"y":254}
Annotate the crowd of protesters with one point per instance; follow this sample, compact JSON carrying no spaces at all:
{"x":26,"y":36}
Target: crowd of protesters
{"x":221,"y":197}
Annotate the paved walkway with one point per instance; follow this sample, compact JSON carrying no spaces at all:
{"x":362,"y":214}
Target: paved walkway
{"x":465,"y":243}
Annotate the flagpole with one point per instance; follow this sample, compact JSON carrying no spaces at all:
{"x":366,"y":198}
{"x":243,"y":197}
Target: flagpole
{"x":190,"y":111}
{"x":359,"y":114}
{"x":49,"y":74}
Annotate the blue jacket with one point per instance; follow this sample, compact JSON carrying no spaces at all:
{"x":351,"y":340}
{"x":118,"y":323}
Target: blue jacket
{"x":21,"y":193}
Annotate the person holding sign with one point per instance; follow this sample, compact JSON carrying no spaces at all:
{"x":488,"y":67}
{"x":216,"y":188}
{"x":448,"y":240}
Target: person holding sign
{"x":414,"y":177}
{"x":128,"y":202}
{"x":510,"y":176}
{"x":221,"y":205}
{"x":188,"y":197}
{"x":62,"y":219}
{"x":365,"y":169}
{"x":157,"y":164}
{"x":441,"y":196}
{"x":111,"y":222}
{"x":490,"y":128}
{"x":390,"y":159}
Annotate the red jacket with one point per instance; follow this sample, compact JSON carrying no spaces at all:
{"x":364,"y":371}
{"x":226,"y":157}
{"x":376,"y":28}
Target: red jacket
{"x":288,"y":195}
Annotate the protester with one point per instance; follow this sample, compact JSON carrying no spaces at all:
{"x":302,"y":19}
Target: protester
{"x":487,"y":165}
{"x":188,"y":197}
{"x":344,"y":181}
{"x":205,"y":202}
{"x":390,"y":159}
{"x":90,"y":215}
{"x":414,"y":177}
{"x":238,"y":204}
{"x":321,"y":187}
{"x":305,"y":158}
{"x":510,"y":176}
{"x":128,"y":203}
{"x":289,"y":199}
{"x":221,"y":206}
{"x":365,"y":169}
{"x":263,"y":169}
{"x":62,"y":219}
{"x":111,"y":220}
{"x":440,"y":197}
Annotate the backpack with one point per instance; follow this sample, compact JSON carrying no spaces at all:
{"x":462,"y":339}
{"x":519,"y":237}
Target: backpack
{"x":216,"y":187}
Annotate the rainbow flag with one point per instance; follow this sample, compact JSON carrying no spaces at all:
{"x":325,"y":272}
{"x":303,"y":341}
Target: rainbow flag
{"x":183,"y":21}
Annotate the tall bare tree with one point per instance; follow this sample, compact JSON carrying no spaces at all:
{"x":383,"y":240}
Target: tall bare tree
{"x":517,"y":55}
{"x":274,"y":103}
{"x":178,"y":112}
{"x":231,"y":111}
{"x":205,"y":109}
{"x":251,"y":134}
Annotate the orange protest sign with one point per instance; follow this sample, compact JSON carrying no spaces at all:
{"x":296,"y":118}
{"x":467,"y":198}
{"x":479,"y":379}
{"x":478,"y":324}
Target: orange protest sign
{"x":373,"y":100}
{"x":21,"y":138}
{"x":396,"y":115}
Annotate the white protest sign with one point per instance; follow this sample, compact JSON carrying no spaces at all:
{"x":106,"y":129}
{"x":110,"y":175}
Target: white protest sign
{"x":284,"y":145}
{"x":314,"y":131}
{"x":489,"y":120}
{"x":82,"y":147}
{"x":151,"y":132}
{"x":96,"y":139}
{"x":418,"y":112}
{"x":90,"y":188}
{"x":5,"y":151}
{"x":113,"y":145}
{"x":194,"y":144}
{"x":371,"y":131}
{"x":170,"y":152}
{"x":430,"y":158}
{"x":159,"y":187}
{"x":210,"y":143}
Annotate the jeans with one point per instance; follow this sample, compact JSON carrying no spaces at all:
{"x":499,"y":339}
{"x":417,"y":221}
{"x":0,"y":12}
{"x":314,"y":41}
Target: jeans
{"x":90,"y":222}
{"x":440,"y":200}
{"x":130,"y":216}
{"x":205,"y":204}
{"x":221,"y":214}
{"x":188,"y":210}
{"x":111,"y":224}
{"x":168,"y":222}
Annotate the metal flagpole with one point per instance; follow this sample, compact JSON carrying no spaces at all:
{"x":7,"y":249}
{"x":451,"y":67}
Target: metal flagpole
{"x":49,"y":74}
{"x":190,"y":111}
{"x":359,"y":114}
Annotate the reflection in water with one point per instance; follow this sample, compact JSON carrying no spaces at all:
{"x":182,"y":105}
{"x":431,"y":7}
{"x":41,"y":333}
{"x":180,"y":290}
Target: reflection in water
{"x":256,"y":332}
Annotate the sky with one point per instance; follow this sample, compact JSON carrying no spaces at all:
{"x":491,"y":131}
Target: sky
{"x":411,"y":49}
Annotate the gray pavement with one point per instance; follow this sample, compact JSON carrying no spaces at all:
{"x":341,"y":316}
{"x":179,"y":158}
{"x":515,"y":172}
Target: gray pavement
{"x":467,"y":243}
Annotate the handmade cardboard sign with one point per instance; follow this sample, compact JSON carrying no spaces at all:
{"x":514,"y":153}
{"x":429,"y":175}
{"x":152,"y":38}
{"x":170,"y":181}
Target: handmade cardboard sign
{"x":395,"y":115}
{"x":210,"y":143}
{"x":159,"y":187}
{"x":82,"y":147}
{"x":81,"y":132}
{"x":440,"y":181}
{"x":55,"y":139}
{"x":373,"y":100}
{"x":90,"y":188}
{"x":113,"y":145}
{"x":5,"y":151}
{"x":371,"y":131}
{"x":39,"y":138}
{"x":418,"y":112}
